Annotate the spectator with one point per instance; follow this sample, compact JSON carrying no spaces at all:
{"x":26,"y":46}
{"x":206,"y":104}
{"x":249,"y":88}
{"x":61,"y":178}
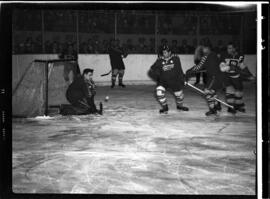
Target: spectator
{"x":129,"y":46}
{"x":38,"y":44}
{"x":193,"y":46}
{"x":164,"y":42}
{"x":29,"y":45}
{"x":48,"y":46}
{"x":117,"y":43}
{"x":97,"y":45}
{"x":185,"y":48}
{"x":83,"y":48}
{"x":61,"y":47}
{"x":104,"y":46}
{"x":152,"y":45}
{"x":21,"y":47}
{"x":174,"y":47}
{"x":208,"y":42}
{"x":220,"y":48}
{"x":55,"y":47}
{"x":141,"y":48}
{"x":148,"y":28}
{"x":90,"y":47}
{"x":135,"y":27}
{"x":125,"y":25}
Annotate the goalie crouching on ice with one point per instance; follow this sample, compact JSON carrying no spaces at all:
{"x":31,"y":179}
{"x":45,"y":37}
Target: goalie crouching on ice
{"x":167,"y":72}
{"x":80,"y":94}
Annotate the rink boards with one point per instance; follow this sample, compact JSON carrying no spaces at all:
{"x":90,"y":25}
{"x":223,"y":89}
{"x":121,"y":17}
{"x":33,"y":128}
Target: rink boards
{"x":137,"y":65}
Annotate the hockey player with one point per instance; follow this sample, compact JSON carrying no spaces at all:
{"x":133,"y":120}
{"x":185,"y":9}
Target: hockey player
{"x":71,"y":69}
{"x":117,"y":54}
{"x":208,"y":61}
{"x":168,"y":73}
{"x":236,"y":71}
{"x":80,"y":94}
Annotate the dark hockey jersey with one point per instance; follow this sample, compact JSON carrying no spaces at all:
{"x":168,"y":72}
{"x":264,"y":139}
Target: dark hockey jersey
{"x":168,"y":69}
{"x":116,"y":58}
{"x":79,"y":89}
{"x":233,"y":61}
{"x":210,"y":63}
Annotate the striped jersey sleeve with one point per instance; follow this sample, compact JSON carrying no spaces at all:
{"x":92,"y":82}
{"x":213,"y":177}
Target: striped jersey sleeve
{"x":200,"y":65}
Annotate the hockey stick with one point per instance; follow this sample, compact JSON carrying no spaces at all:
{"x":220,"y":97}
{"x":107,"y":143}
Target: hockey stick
{"x":197,"y":89}
{"x":100,"y":111}
{"x":105,"y":74}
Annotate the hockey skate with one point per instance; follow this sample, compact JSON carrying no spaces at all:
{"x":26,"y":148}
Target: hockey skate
{"x":212,"y":111}
{"x":122,"y":85}
{"x":240,"y":108}
{"x":164,"y":109}
{"x":113,"y":85}
{"x":231,"y":110}
{"x":218,"y":106}
{"x":182,"y":108}
{"x":100,"y":111}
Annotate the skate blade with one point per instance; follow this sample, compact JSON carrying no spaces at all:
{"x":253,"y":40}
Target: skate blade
{"x":163,"y":113}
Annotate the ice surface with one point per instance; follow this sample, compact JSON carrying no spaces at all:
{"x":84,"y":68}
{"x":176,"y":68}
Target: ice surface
{"x":132,"y":149}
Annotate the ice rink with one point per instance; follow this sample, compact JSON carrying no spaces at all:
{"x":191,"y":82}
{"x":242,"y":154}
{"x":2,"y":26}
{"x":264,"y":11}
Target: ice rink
{"x":132,"y":149}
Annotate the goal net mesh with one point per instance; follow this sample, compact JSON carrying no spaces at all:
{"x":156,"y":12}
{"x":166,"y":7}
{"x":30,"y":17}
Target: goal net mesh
{"x":29,"y":92}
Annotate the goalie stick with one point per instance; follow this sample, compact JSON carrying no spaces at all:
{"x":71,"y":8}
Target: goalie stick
{"x":100,"y":111}
{"x":105,"y":74}
{"x":197,"y":89}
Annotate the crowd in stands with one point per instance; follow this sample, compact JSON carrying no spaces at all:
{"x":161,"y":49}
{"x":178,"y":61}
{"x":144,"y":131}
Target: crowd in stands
{"x":96,"y":46}
{"x":132,"y":24}
{"x":127,"y":22}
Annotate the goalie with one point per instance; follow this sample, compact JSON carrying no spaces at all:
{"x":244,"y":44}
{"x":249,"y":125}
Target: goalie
{"x":80,"y":94}
{"x":208,"y":61}
{"x":167,"y":72}
{"x":232,"y":64}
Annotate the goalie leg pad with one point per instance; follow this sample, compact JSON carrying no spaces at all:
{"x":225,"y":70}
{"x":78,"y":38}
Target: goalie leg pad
{"x":160,"y":93}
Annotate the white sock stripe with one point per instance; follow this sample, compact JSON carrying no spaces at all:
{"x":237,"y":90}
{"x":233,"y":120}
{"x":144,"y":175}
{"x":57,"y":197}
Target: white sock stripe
{"x":162,"y":100}
{"x":161,"y":88}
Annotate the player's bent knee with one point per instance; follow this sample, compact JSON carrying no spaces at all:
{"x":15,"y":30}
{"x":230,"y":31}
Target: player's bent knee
{"x":121,"y":72}
{"x":115,"y":72}
{"x":179,"y":94}
{"x":160,"y":91}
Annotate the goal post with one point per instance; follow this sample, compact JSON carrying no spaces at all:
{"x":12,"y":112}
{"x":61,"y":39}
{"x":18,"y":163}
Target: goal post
{"x":42,"y":85}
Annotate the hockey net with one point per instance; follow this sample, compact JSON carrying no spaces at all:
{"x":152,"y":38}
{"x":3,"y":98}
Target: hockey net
{"x":42,"y":85}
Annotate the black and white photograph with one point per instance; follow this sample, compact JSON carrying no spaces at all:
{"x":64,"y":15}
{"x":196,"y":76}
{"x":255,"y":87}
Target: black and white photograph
{"x":136,"y":98}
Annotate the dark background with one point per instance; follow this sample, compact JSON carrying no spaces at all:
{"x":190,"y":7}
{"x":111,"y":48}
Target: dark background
{"x":141,"y":30}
